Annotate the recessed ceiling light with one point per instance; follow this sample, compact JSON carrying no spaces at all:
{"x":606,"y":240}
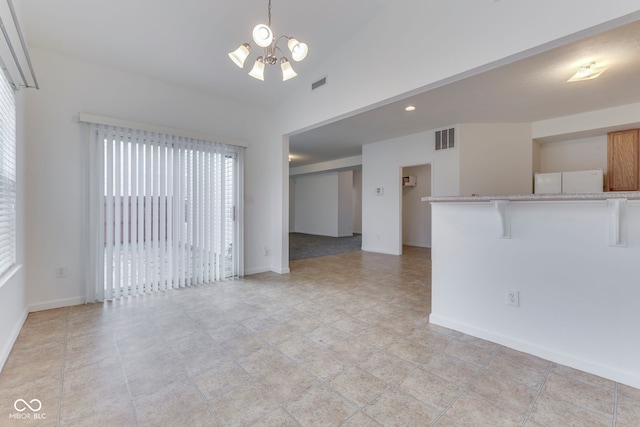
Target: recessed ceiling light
{"x":588,"y":72}
{"x":410,"y":108}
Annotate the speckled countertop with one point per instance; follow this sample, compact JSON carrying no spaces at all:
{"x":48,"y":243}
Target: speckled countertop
{"x":630,"y":195}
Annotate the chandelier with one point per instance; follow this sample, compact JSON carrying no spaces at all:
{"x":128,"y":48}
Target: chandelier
{"x":271,"y":53}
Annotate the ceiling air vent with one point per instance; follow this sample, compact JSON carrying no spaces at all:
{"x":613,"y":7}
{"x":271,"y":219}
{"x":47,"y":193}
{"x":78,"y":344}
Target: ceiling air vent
{"x":321,"y":82}
{"x":445,"y":138}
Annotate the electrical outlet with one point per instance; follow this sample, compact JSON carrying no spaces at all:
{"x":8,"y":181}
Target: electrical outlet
{"x":513,"y":298}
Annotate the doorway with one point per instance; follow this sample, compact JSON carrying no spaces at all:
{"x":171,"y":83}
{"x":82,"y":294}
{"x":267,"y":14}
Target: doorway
{"x":416,"y":214}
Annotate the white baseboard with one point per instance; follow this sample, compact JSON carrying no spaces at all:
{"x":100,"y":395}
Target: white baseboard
{"x":417,"y":244}
{"x":378,"y":250}
{"x":248,"y":272}
{"x":66,"y":302}
{"x":256,"y":271}
{"x":266,"y":270}
{"x":4,"y":355}
{"x":628,"y":378}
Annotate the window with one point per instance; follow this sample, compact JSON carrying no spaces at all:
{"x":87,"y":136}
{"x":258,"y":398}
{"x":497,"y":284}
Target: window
{"x":7,"y":177}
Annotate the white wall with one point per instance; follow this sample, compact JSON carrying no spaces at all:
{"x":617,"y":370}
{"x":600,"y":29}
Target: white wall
{"x":316,"y":204}
{"x":56,"y":162}
{"x":323,"y":204}
{"x":349,"y":202}
{"x":495,"y":158}
{"x":357,"y":201}
{"x":292,"y":205}
{"x":345,"y":203}
{"x":574,"y":155}
{"x":445,"y":170}
{"x":416,"y":215}
{"x":578,"y":296}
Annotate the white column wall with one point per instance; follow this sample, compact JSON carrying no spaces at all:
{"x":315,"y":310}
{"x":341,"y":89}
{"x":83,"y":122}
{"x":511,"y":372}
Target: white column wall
{"x":357,"y":201}
{"x":266,"y":191}
{"x":292,"y":204}
{"x":345,"y":204}
{"x":578,"y":295}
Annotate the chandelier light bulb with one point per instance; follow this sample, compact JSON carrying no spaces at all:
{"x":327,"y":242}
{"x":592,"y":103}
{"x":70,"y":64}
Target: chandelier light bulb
{"x":262,"y":35}
{"x":298,"y":50}
{"x":257,"y":72}
{"x":287,"y":70}
{"x":239,"y":55}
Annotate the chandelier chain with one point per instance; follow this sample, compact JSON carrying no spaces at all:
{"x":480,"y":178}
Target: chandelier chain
{"x":269,"y":13}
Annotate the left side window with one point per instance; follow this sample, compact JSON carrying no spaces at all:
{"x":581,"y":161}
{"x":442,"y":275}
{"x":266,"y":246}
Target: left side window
{"x":7,"y":176}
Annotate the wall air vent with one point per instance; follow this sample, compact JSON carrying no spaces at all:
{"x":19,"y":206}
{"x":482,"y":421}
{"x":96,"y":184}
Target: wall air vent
{"x":321,"y":82}
{"x":445,"y":138}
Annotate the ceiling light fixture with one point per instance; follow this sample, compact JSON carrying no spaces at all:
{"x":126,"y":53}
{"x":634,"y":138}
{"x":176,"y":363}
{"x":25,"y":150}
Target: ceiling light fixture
{"x":410,"y":108}
{"x":271,"y":54}
{"x":588,"y":72}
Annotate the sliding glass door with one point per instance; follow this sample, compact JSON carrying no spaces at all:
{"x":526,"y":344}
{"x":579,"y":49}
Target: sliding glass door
{"x":164,"y":212}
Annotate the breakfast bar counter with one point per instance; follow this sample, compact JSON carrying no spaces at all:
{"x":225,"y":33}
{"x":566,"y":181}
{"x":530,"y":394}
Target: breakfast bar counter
{"x":630,"y":195}
{"x":554,"y":275}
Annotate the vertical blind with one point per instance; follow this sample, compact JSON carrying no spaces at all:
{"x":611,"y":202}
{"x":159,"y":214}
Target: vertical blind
{"x":163,"y":212}
{"x":7,"y":177}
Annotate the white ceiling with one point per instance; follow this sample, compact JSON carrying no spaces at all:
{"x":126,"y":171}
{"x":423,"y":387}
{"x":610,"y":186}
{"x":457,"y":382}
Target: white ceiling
{"x":186,"y":43}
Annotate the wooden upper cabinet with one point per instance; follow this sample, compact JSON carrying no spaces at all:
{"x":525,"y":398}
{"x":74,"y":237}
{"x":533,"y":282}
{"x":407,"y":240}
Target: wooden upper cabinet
{"x":623,"y":153}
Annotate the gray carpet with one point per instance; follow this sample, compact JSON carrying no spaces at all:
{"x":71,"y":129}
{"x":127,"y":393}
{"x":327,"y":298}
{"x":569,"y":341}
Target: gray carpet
{"x":303,"y":246}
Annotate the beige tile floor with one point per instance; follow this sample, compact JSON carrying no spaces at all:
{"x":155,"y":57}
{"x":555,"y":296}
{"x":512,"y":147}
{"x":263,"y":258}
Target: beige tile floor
{"x":343,"y":340}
